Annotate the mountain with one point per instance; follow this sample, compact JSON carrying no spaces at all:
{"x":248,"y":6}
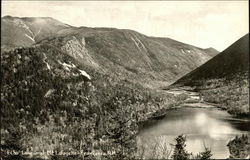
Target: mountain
{"x":51,"y":101}
{"x":126,"y":53}
{"x":80,"y":90}
{"x":224,"y":78}
{"x":28,"y":30}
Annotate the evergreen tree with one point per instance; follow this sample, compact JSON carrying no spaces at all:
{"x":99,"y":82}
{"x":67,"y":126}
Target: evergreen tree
{"x":205,"y":155}
{"x":180,"y":152}
{"x":239,"y":147}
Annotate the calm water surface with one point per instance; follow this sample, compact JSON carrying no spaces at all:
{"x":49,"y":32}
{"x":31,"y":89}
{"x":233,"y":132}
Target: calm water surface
{"x":208,"y":127}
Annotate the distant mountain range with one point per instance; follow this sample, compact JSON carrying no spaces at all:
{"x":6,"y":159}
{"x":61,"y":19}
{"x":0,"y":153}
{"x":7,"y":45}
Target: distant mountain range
{"x":150,"y":61}
{"x":224,"y":78}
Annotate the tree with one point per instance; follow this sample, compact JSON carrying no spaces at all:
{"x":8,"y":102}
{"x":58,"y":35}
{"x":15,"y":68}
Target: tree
{"x":205,"y":155}
{"x":180,"y":152}
{"x":239,"y":147}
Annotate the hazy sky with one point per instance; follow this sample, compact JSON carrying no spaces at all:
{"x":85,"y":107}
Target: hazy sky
{"x":201,"y":23}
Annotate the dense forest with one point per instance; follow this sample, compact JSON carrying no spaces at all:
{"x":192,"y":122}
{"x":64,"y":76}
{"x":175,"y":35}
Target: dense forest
{"x":50,"y":107}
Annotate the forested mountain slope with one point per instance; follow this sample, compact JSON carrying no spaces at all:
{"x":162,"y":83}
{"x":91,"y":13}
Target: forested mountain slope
{"x":224,"y":78}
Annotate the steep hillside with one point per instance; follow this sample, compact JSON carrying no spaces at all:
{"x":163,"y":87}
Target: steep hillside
{"x":131,"y":54}
{"x":224,"y":78}
{"x":51,"y":102}
{"x":127,"y":53}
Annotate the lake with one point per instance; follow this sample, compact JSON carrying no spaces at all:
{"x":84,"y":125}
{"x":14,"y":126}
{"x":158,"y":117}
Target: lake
{"x":207,"y":126}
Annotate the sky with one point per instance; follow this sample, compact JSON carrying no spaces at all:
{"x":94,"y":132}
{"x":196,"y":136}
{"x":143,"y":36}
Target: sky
{"x":204,"y":24}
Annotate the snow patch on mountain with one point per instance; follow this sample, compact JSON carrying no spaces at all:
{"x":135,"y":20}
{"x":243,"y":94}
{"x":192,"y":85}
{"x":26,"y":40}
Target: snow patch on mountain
{"x":83,"y":42}
{"x":138,"y":43}
{"x":21,"y":24}
{"x":49,"y":92}
{"x":85,"y":74}
{"x":68,"y":67}
{"x":32,"y":39}
{"x":44,"y":60}
{"x":186,"y":51}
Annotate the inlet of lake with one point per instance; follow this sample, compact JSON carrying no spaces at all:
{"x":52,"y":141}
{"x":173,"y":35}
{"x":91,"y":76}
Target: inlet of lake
{"x":207,"y":126}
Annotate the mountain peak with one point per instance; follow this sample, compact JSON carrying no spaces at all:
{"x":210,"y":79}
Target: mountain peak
{"x":26,"y":31}
{"x":7,"y":16}
{"x":211,"y":49}
{"x":41,"y":20}
{"x":228,"y":63}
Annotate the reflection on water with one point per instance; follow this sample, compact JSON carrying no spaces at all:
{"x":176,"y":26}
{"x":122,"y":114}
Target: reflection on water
{"x":202,"y":126}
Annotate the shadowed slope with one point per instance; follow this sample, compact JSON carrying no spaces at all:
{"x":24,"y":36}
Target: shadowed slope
{"x":224,"y":78}
{"x":231,"y":61}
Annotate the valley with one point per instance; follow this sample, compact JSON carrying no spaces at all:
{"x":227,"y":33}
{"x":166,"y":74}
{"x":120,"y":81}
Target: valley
{"x":204,"y":125}
{"x":85,"y":92}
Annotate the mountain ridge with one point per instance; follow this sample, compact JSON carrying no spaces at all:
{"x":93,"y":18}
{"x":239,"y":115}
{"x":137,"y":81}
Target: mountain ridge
{"x":238,"y":50}
{"x":94,"y":28}
{"x":126,"y":53}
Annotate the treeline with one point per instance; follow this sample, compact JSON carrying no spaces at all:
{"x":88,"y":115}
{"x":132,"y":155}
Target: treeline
{"x":229,"y":93}
{"x":239,"y":148}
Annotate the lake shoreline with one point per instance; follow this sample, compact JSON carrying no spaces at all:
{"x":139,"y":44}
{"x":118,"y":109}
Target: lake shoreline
{"x":197,"y":104}
{"x":184,"y":105}
{"x":210,"y":124}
